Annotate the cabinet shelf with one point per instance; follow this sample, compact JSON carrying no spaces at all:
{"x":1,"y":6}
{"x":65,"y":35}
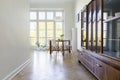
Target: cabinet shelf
{"x":112,"y":19}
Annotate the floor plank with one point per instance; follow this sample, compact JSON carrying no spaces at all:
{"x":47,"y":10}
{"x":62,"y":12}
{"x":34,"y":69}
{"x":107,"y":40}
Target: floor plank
{"x":54,"y":67}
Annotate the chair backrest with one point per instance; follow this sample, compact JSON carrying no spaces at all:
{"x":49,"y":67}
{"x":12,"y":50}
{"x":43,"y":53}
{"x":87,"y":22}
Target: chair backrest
{"x":54,"y":43}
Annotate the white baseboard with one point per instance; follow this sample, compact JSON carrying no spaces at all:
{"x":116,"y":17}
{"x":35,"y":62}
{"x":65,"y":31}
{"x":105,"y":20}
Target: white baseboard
{"x":17,"y":70}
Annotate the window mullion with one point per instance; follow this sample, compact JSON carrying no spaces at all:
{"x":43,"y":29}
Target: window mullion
{"x":54,"y":30}
{"x":46,"y":40}
{"x":37,"y":25}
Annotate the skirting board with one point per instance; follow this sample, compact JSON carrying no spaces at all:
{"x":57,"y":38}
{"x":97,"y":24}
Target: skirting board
{"x":17,"y":70}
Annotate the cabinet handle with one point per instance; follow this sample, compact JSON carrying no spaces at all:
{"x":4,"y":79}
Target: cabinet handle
{"x":98,"y":65}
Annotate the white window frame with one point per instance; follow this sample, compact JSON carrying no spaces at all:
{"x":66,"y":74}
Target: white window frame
{"x":37,"y":21}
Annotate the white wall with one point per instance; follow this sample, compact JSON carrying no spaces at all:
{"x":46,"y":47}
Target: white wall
{"x":78,"y":6}
{"x":68,"y":7}
{"x":74,"y":39}
{"x":14,"y":35}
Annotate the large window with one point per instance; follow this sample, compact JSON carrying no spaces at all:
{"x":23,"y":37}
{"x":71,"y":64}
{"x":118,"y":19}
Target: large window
{"x":45,"y":25}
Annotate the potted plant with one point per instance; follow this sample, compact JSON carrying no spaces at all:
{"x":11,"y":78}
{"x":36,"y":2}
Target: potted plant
{"x":38,"y":44}
{"x":61,"y":36}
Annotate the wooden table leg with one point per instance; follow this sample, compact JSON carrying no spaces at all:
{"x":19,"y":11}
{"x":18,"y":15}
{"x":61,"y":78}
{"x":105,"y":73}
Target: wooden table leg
{"x":50,"y":47}
{"x":63,"y":47}
{"x":69,"y":47}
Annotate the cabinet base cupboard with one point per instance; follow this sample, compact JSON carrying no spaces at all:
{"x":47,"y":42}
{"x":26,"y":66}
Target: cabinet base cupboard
{"x":101,"y":66}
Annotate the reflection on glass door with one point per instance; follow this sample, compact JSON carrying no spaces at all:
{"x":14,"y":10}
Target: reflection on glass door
{"x":99,"y":36}
{"x":89,"y":36}
{"x":83,"y":29}
{"x":99,"y":27}
{"x":94,"y":26}
{"x":90,"y":27}
{"x":94,"y":35}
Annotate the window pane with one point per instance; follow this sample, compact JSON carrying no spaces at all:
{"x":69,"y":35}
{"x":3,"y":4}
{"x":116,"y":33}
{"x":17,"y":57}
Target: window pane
{"x":49,"y":15}
{"x":58,"y":29}
{"x":59,"y":14}
{"x":42,"y":41}
{"x":33,"y":15}
{"x":41,"y":15}
{"x":33,"y":29}
{"x":50,"y":28}
{"x":33,"y":41}
{"x":42,"y":29}
{"x":32,"y":33}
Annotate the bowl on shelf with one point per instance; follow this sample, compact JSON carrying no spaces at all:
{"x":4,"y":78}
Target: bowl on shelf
{"x":117,"y":14}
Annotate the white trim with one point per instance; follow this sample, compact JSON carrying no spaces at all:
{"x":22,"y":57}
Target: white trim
{"x":58,"y":9}
{"x":17,"y":70}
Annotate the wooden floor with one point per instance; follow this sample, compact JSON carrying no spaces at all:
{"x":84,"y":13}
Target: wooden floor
{"x":54,"y":67}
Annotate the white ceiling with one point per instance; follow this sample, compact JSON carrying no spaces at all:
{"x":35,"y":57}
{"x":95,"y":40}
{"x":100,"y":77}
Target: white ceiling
{"x":50,"y":1}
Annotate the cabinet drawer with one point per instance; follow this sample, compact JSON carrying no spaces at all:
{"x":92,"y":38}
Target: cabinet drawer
{"x":99,"y":70}
{"x":87,"y":60}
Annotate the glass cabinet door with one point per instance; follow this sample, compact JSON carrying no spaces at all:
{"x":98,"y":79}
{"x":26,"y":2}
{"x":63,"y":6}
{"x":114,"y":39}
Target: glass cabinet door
{"x":94,"y":21}
{"x":90,"y":27}
{"x":99,"y":26}
{"x":83,"y":28}
{"x":111,"y":28}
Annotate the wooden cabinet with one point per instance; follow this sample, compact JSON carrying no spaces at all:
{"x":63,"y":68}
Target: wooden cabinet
{"x":87,"y":61}
{"x":100,"y":39}
{"x":93,"y":65}
{"x":100,"y":66}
